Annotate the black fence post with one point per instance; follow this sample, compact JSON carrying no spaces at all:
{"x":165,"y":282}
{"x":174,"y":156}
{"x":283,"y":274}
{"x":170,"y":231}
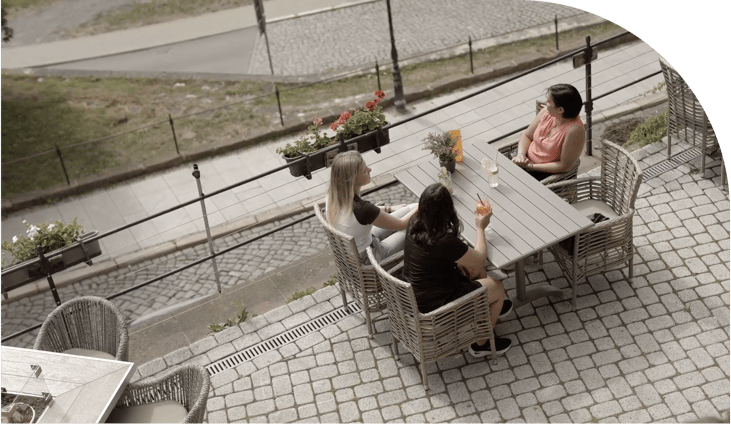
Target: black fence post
{"x":472,"y":65}
{"x":589,"y":106}
{"x":378,"y":75}
{"x":279,"y":104}
{"x":63,"y":166}
{"x":555,"y":24}
{"x":175,"y":138}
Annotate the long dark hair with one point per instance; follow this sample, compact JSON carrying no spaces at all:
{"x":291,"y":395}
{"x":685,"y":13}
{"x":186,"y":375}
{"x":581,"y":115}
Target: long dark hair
{"x":436,"y":217}
{"x":567,"y":97}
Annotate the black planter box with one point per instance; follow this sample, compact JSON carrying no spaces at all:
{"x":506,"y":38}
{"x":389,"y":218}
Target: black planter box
{"x":322,"y":159}
{"x":60,"y":259}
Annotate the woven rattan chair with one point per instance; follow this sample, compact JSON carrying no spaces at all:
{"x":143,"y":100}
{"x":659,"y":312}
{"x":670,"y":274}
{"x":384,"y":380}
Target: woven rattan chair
{"x":608,"y":243}
{"x":359,"y":280}
{"x":440,"y":333}
{"x":686,"y":118}
{"x":87,"y":326}
{"x":177,"y":396}
{"x":510,"y":149}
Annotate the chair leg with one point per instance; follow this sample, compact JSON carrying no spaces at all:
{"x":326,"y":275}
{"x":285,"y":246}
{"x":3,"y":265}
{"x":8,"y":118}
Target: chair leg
{"x":669,"y":144}
{"x":394,"y":346}
{"x":631,"y":266}
{"x":424,"y":378}
{"x":369,"y":322}
{"x":492,"y":348}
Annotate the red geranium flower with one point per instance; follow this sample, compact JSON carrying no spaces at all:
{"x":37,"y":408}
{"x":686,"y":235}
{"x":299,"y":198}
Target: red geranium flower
{"x":334,"y":125}
{"x":344,"y":116}
{"x":370,"y":106}
{"x":377,"y":100}
{"x":380,"y":94}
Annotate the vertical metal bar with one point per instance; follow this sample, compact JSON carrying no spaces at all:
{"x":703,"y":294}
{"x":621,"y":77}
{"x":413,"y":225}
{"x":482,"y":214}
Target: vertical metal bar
{"x":46,"y":268}
{"x":555,"y":24}
{"x":197,"y":175}
{"x":175,"y":138}
{"x":279,"y":104}
{"x":589,"y":103}
{"x":472,"y":65}
{"x":63,"y":166}
{"x":378,"y":75}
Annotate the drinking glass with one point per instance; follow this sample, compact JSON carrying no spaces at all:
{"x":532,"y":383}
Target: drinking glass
{"x":492,"y":169}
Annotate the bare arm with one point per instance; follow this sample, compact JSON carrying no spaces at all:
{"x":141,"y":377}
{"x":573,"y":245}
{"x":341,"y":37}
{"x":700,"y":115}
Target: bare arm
{"x":390,"y":222}
{"x":474,"y":259}
{"x":570,"y":153}
{"x":526,"y":138}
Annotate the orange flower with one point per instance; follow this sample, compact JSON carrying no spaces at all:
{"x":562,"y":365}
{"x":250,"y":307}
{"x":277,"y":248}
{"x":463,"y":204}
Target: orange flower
{"x":377,"y":100}
{"x":370,"y":106}
{"x":334,"y":125}
{"x":380,"y":94}
{"x":344,"y":117}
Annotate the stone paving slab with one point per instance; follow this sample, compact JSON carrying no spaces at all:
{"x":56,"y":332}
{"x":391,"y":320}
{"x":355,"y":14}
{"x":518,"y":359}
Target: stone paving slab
{"x":652,"y":350}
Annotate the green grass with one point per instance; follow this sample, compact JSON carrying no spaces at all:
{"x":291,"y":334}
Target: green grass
{"x":23,"y":4}
{"x":40,"y":113}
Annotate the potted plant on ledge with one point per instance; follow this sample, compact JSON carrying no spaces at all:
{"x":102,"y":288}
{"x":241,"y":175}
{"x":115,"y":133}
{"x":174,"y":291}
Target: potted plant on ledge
{"x":350,"y":123}
{"x":62,"y":246}
{"x":441,"y":145}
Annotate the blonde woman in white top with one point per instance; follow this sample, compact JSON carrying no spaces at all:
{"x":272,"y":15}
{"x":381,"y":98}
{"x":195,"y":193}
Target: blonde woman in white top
{"x":382,"y":228}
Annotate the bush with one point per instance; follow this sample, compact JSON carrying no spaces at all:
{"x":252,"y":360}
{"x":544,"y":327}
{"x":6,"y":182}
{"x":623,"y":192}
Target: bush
{"x":650,"y":131}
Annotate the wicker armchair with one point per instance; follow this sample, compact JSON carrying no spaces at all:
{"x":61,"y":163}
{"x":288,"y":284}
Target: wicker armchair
{"x":177,"y":396}
{"x":439,"y":333}
{"x":87,"y":326}
{"x":613,"y":194}
{"x":686,"y":118}
{"x":359,"y":280}
{"x":510,"y":149}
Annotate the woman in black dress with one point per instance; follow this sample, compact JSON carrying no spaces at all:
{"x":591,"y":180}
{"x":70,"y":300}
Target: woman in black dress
{"x":442,"y":268}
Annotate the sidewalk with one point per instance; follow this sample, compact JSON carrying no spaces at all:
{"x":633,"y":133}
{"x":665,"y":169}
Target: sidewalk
{"x":654,"y":350}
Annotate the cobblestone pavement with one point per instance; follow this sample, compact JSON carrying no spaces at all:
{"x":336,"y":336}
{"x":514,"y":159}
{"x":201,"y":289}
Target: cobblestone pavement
{"x":653,"y":350}
{"x":245,"y":263}
{"x":313,"y":44}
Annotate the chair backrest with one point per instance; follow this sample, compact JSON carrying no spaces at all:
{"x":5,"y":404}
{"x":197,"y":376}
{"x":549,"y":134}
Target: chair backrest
{"x":684,"y":110}
{"x":403,"y":311}
{"x":347,"y":259}
{"x":196,"y":383}
{"x":86,"y":322}
{"x":621,"y":176}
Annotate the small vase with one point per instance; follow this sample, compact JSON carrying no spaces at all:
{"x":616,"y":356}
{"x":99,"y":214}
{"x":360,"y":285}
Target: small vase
{"x":449,"y":165}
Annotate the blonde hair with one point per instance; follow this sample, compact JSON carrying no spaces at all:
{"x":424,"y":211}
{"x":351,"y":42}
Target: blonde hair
{"x":341,"y":190}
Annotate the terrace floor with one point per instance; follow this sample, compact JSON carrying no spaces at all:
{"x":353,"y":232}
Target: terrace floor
{"x":652,"y":350}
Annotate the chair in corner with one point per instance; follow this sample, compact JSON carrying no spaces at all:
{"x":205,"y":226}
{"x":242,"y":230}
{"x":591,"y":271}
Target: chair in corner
{"x":609,"y":243}
{"x":686,"y":118}
{"x":86,"y":326}
{"x":440,"y":333}
{"x":180,"y":395}
{"x":356,"y":279}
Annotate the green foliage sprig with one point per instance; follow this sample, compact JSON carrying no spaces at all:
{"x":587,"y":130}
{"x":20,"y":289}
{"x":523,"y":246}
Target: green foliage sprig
{"x":311,"y":141}
{"x":650,"y":131}
{"x":49,"y":236}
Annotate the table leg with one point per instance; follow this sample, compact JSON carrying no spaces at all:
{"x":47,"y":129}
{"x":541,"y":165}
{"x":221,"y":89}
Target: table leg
{"x":523,"y":296}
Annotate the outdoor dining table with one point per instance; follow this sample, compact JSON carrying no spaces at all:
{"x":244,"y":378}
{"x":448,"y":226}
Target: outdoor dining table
{"x":527,"y":216}
{"x":84,"y":389}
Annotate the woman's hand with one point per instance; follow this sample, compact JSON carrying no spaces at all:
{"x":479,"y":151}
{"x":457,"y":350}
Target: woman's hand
{"x":521,"y":160}
{"x":482,"y":221}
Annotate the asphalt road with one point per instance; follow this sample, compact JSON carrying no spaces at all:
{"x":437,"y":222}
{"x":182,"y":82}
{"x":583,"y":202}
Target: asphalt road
{"x":228,"y":53}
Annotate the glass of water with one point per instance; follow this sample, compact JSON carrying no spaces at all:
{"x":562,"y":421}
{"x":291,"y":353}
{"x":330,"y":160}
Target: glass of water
{"x":493,"y":170}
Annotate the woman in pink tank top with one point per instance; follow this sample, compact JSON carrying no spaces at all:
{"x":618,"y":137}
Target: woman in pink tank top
{"x":555,"y":139}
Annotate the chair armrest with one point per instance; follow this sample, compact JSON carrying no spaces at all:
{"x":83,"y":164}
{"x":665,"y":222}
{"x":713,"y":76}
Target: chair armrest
{"x":575,"y":190}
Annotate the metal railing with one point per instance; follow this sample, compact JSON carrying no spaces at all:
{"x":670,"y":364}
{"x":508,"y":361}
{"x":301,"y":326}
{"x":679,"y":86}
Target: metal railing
{"x":586,"y":52}
{"x":68,"y":162}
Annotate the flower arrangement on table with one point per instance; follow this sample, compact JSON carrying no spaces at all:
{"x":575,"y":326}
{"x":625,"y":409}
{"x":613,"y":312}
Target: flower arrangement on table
{"x":441,"y":146}
{"x":350,"y":123}
{"x":49,"y":236}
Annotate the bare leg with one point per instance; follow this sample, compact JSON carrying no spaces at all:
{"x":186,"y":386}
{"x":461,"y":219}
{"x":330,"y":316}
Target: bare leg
{"x":495,"y":296}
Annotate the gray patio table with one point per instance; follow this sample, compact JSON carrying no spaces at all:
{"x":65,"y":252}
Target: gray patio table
{"x":527,"y":216}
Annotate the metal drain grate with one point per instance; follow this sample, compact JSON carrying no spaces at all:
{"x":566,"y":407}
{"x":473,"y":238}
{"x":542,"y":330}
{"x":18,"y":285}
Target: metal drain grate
{"x":282,"y":339}
{"x":672,"y":163}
